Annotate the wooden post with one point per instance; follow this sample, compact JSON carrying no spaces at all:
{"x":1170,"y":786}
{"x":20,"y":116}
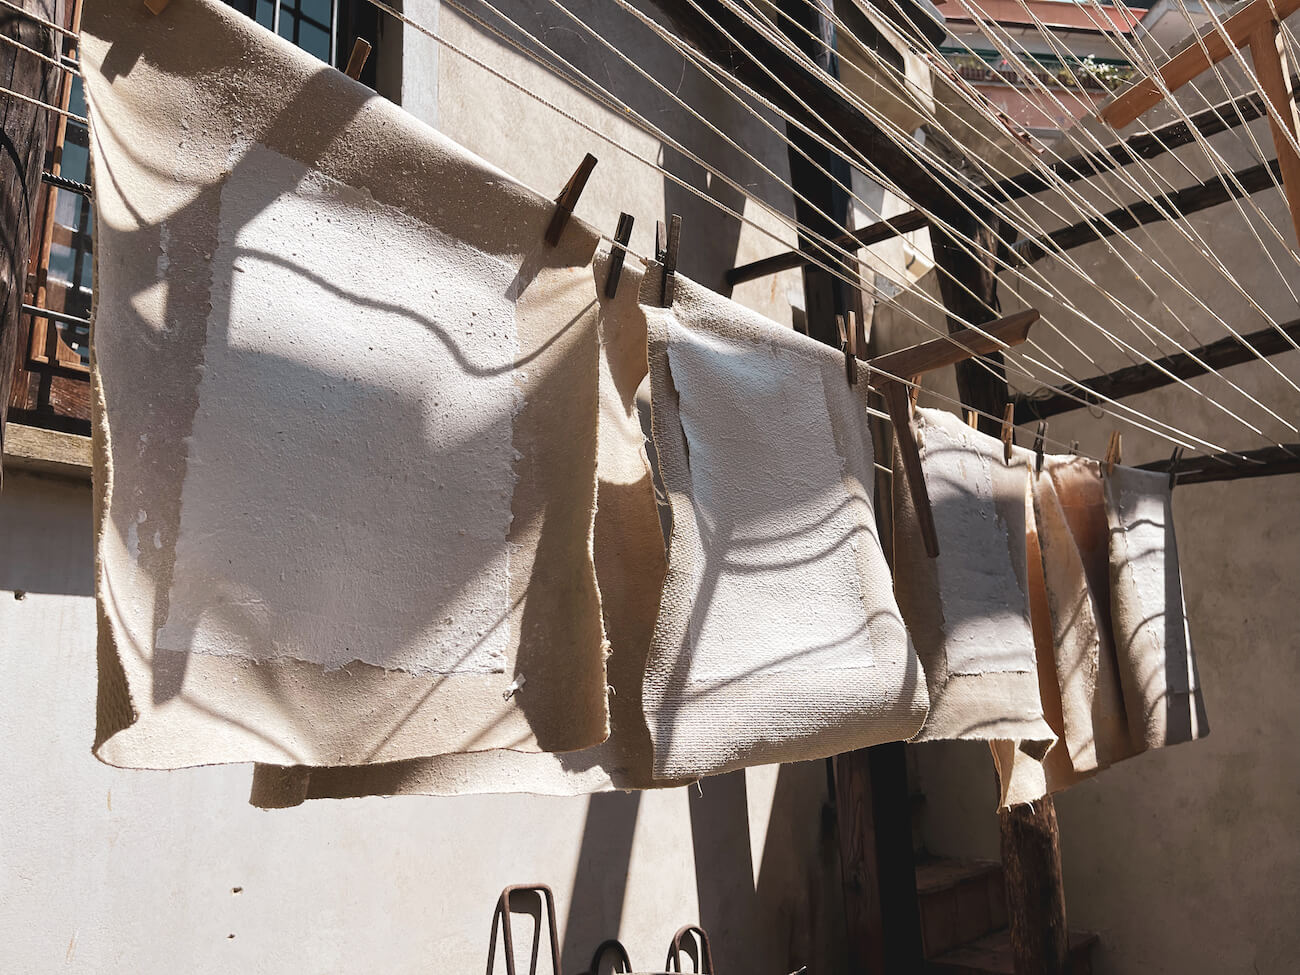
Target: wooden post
{"x":882,"y":917}
{"x":1274,"y":77}
{"x":1031,"y":855}
{"x":24,"y":130}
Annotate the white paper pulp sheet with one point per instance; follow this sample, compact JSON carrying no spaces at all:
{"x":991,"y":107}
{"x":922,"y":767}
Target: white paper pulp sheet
{"x":1162,"y":691}
{"x":346,"y":418}
{"x":630,"y":566}
{"x":778,"y":637}
{"x":968,"y":609}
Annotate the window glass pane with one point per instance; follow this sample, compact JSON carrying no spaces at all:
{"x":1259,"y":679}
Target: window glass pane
{"x":265,"y":13}
{"x":317,"y":10}
{"x":76,"y":160}
{"x":77,"y":100}
{"x":313,"y":40}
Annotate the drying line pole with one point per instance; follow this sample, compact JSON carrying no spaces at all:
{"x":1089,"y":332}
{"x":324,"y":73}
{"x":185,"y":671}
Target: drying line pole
{"x":878,"y":875}
{"x":1031,"y":849}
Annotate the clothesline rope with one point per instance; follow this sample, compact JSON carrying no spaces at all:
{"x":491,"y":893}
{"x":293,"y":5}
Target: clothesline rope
{"x":433,"y":34}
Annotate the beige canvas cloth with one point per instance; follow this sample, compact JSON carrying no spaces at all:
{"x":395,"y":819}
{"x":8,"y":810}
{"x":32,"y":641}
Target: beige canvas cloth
{"x":968,"y":610}
{"x":778,"y":637}
{"x":1068,"y":643}
{"x":1109,"y":621}
{"x":345,"y":429}
{"x":1157,"y":671}
{"x":630,"y":566}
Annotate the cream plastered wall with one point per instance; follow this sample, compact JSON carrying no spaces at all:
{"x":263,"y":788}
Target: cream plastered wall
{"x":105,"y":870}
{"x":1185,"y":859}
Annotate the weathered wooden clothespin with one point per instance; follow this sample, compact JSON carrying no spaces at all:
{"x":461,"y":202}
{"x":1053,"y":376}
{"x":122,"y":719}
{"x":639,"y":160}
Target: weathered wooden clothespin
{"x":617,"y":253}
{"x":156,"y":7}
{"x":568,"y":199}
{"x":1113,"y":452}
{"x":897,"y":402}
{"x":667,"y":241}
{"x":1173,"y":466}
{"x":357,"y":59}
{"x":1074,"y":447}
{"x":851,"y":350}
{"x":913,"y":392}
{"x":1039,"y":438}
{"x":1008,"y":431}
{"x":849,"y":346}
{"x":915,"y":362}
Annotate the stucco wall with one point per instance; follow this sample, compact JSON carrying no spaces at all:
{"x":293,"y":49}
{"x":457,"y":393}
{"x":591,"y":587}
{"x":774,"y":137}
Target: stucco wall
{"x":105,"y":870}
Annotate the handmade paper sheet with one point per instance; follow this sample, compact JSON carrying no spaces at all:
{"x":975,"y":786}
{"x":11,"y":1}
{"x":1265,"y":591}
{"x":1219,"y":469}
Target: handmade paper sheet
{"x":630,"y":566}
{"x":778,"y":636}
{"x":968,"y":610}
{"x":346,"y":418}
{"x":1162,"y":691}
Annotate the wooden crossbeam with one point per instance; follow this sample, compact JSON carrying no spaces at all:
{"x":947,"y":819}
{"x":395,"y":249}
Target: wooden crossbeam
{"x":1132,"y":380}
{"x":1254,"y":25}
{"x":1180,"y":203}
{"x":1264,"y":462}
{"x":1146,"y":93}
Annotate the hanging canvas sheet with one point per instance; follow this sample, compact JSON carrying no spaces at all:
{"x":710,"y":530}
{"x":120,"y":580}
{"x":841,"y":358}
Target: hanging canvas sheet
{"x":1068,"y":573}
{"x":630,"y":566}
{"x":1116,"y":672}
{"x":345,"y":427}
{"x":968,"y":609}
{"x":1162,"y":692}
{"x":778,"y":637}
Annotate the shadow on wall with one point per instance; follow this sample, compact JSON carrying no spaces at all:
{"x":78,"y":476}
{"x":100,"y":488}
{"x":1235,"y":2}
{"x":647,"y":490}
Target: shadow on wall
{"x":790,"y":916}
{"x":710,"y":237}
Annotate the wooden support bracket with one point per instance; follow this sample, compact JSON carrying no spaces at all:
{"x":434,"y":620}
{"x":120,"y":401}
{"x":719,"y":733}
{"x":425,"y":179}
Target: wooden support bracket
{"x":949,"y":350}
{"x":927,"y":357}
{"x":1146,"y":93}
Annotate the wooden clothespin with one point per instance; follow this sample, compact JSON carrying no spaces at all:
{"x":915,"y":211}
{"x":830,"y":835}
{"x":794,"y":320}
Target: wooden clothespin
{"x":1113,"y":452}
{"x":897,"y":402}
{"x":1008,"y":431}
{"x":972,"y":419}
{"x":357,"y":59}
{"x":1173,"y":466}
{"x":849,"y":345}
{"x":667,"y":241}
{"x":617,"y":253}
{"x":915,"y":362}
{"x":156,"y":7}
{"x":1039,"y":439}
{"x":568,"y":199}
{"x":913,"y":392}
{"x":1074,"y":447}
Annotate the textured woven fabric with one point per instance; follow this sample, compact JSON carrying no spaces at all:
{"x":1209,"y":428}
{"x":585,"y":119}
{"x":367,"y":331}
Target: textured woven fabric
{"x":345,"y":423}
{"x":1157,"y":671}
{"x":778,"y":637}
{"x":630,"y":566}
{"x":1109,"y":622}
{"x":968,"y":610}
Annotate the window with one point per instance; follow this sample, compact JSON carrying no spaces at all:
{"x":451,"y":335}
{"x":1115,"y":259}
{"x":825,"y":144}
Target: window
{"x":51,"y":383}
